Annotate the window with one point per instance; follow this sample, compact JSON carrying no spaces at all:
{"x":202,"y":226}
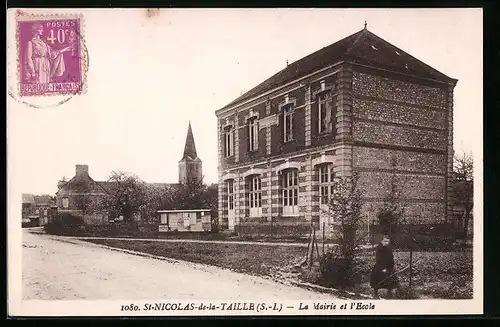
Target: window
{"x":228,"y":142}
{"x":290,"y":189}
{"x":230,"y":194}
{"x":255,"y":196}
{"x":185,"y":218}
{"x":324,"y":115}
{"x":253,"y":133}
{"x":326,"y":178}
{"x":288,"y":124}
{"x":45,"y":212}
{"x":65,"y":202}
{"x":37,"y":211}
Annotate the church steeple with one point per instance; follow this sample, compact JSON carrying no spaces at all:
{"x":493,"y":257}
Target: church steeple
{"x":190,"y":166}
{"x":189,"y":147}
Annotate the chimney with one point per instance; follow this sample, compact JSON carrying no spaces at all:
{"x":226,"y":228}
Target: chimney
{"x":61,"y":184}
{"x":82,"y":170}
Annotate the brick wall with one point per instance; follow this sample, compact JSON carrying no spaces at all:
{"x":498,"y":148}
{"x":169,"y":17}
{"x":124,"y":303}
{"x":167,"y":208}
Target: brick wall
{"x":271,"y":135}
{"x":397,"y":90}
{"x":402,"y":123}
{"x":378,"y":158}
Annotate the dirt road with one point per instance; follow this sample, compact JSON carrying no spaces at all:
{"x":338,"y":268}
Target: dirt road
{"x":56,"y":269}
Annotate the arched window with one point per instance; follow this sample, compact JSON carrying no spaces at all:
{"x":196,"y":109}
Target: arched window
{"x":290,"y":191}
{"x":255,"y":195}
{"x":326,"y":179}
{"x":230,"y":193}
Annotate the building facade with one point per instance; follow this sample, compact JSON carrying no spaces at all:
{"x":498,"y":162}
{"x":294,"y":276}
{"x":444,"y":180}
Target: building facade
{"x":37,"y":210}
{"x":79,"y":195}
{"x":360,"y":104}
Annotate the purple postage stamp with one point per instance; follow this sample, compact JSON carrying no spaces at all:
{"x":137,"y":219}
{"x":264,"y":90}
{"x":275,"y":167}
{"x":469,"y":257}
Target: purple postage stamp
{"x":50,"y":59}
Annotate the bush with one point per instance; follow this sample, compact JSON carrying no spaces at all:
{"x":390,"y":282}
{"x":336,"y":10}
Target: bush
{"x":66,"y":224}
{"x":337,"y":271}
{"x":272,"y":229}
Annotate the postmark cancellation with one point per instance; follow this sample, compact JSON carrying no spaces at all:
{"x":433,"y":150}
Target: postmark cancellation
{"x":51,"y":54}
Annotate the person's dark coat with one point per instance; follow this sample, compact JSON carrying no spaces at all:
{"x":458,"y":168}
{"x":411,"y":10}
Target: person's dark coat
{"x":384,"y":259}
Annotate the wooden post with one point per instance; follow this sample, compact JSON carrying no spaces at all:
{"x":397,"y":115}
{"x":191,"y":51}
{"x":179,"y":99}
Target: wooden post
{"x":323,"y":238}
{"x":411,"y":260}
{"x":317,"y":252}
{"x":368,"y":224}
{"x":309,"y":249}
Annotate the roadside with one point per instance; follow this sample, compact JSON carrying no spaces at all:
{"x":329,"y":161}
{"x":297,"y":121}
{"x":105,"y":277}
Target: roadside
{"x":63,"y":269}
{"x":437,"y":274}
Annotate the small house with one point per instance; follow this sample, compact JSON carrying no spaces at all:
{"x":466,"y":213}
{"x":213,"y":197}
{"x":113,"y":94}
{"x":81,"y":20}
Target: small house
{"x":193,"y":220}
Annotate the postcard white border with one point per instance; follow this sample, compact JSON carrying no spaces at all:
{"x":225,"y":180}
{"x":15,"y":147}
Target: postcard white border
{"x":18,"y":307}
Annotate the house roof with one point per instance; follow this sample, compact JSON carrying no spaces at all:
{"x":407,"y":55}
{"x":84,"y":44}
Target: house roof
{"x":28,"y":198}
{"x":43,"y":200}
{"x":190,"y":147}
{"x":362,"y":47}
{"x":109,"y":187}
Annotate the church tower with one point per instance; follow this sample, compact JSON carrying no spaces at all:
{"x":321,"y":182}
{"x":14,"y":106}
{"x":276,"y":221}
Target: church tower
{"x":190,"y":165}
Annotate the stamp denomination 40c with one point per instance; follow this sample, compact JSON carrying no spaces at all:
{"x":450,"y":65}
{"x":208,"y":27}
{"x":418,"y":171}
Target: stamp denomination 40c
{"x":50,"y":55}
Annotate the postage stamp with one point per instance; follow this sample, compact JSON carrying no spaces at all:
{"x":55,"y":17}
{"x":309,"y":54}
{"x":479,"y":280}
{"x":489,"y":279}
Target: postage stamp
{"x":50,"y":60}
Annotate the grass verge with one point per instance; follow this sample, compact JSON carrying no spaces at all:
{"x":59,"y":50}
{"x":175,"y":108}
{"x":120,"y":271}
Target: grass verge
{"x":445,"y":275}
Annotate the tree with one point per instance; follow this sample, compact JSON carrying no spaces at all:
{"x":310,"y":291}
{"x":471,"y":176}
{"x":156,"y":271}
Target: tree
{"x":193,"y":194}
{"x":126,"y":195}
{"x":155,"y":195}
{"x":391,"y":213}
{"x":210,"y":198}
{"x":344,"y":208}
{"x":462,"y":187}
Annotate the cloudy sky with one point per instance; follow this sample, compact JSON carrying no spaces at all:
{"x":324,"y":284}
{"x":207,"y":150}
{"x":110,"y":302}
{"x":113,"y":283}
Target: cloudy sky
{"x":148,"y":77}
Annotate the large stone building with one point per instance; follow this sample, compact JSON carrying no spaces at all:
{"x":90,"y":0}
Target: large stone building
{"x":77,"y":195}
{"x":360,"y":104}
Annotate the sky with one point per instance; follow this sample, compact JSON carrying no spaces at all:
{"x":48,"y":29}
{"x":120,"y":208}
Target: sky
{"x":148,"y":77}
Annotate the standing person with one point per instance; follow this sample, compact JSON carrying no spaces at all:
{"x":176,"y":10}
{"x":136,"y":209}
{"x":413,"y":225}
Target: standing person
{"x":383,"y":273}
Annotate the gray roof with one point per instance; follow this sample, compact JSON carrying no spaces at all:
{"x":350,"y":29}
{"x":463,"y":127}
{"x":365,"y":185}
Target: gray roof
{"x":28,"y":198}
{"x":362,"y":47}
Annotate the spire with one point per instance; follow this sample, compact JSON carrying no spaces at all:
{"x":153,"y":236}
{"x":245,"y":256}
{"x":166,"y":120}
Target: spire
{"x":365,"y":24}
{"x":189,"y":148}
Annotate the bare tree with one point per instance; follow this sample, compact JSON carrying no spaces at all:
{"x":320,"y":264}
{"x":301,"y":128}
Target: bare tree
{"x":462,"y":189}
{"x":344,"y":207}
{"x":391,"y":213}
